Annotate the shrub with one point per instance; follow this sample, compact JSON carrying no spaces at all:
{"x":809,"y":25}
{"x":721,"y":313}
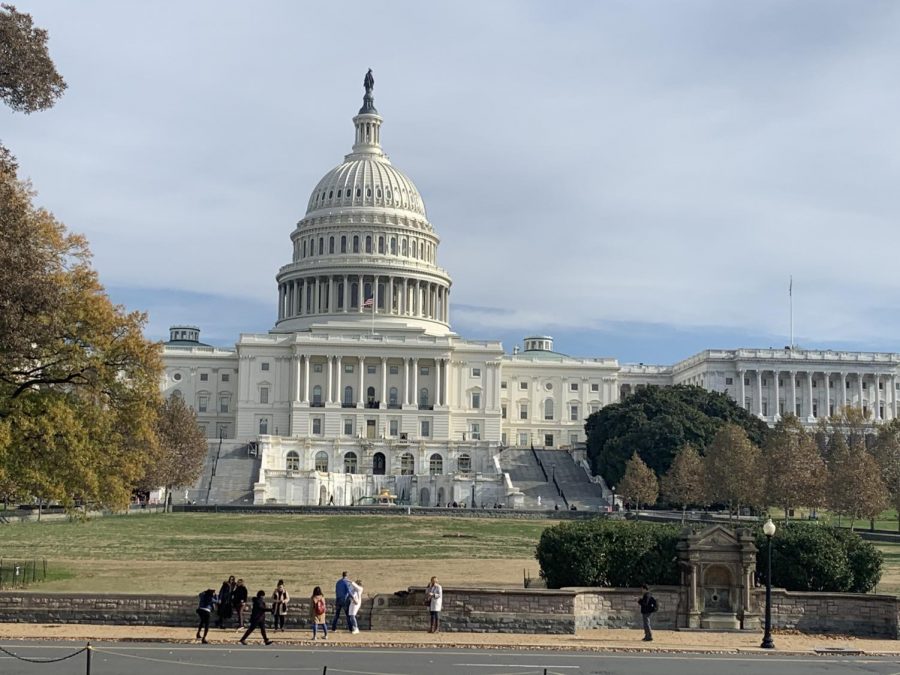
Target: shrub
{"x":602,"y":552}
{"x":812,"y":557}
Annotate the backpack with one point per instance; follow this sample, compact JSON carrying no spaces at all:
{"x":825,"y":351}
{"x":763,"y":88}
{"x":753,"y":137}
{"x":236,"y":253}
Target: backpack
{"x":651,"y":604}
{"x":319,"y":606}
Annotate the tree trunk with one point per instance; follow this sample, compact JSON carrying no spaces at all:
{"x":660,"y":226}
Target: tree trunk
{"x":40,"y":504}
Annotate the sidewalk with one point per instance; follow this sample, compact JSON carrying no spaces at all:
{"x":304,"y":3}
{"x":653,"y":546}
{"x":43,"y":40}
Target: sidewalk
{"x":590,"y":640}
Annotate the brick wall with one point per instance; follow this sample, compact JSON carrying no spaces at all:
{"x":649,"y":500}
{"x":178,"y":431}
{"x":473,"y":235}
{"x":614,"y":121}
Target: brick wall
{"x":840,"y":613}
{"x":618,"y":607}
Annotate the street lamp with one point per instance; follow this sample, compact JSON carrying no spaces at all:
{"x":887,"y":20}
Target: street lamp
{"x":769,"y":531}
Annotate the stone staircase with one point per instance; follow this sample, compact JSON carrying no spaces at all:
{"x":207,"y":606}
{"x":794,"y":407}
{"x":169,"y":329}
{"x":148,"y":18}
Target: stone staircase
{"x":228,"y":475}
{"x":526,"y":474}
{"x":573,"y":480}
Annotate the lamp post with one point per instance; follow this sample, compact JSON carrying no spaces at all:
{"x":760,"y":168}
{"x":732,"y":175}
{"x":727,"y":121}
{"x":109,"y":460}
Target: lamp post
{"x":769,"y":531}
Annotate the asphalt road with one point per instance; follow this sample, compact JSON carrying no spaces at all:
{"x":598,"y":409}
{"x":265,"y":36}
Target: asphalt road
{"x":151,"y":659}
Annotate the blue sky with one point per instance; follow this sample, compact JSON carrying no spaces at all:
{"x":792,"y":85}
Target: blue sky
{"x":637,"y":179}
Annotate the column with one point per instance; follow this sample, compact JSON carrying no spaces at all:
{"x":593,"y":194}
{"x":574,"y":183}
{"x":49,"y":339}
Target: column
{"x":893,"y":396}
{"x":328,"y":397}
{"x":843,"y":390}
{"x":360,"y":395}
{"x":306,"y":365}
{"x":332,"y":294}
{"x":876,"y":405}
{"x":298,"y":372}
{"x":338,"y":389}
{"x":346,"y":294}
{"x":794,"y":394}
{"x":384,"y":391}
{"x":743,"y":402}
{"x":405,"y":304}
{"x":859,"y":384}
{"x":415,"y":384}
{"x":405,"y":376}
{"x":389,"y":302}
{"x":809,"y":391}
{"x":758,"y":392}
{"x":777,"y":396}
{"x":827,"y":410}
{"x":359,"y":294}
{"x":375,"y":294}
{"x":437,"y":381}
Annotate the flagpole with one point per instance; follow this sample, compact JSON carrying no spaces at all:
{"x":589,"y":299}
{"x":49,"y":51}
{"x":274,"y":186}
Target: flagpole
{"x":791,"y":297}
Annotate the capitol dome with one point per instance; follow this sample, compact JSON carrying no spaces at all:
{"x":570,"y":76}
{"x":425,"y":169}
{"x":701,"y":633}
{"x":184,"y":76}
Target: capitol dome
{"x":364,"y":250}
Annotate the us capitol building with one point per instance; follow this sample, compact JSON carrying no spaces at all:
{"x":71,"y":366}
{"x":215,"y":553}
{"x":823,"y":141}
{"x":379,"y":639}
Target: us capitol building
{"x":361,"y":386}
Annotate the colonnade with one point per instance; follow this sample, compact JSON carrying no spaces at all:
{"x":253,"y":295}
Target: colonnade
{"x":839,"y":388}
{"x":349,"y":293}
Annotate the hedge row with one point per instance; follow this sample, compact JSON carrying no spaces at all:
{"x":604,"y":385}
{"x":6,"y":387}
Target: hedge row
{"x":600,"y":552}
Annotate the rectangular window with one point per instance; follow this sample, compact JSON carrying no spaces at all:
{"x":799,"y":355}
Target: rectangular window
{"x":263,"y":394}
{"x":425,"y":428}
{"x":880,"y":385}
{"x":729,"y":380}
{"x":476,"y":400}
{"x":475,"y":431}
{"x":423,"y":370}
{"x":503,"y":438}
{"x":348,"y":367}
{"x":865,"y":385}
{"x":595,"y":408}
{"x":348,"y":426}
{"x":573,"y":413}
{"x":264,"y":365}
{"x":395,"y":370}
{"x":765,"y":382}
{"x":815,"y":384}
{"x":523,"y":439}
{"x":595,"y":387}
{"x":573,"y":386}
{"x":503,"y":411}
{"x":523,"y":411}
{"x":223,"y":405}
{"x":317,"y":426}
{"x":503,"y":384}
{"x":225,"y":377}
{"x":370,"y":370}
{"x":548,"y":440}
{"x":573,"y":439}
{"x":204,"y":377}
{"x":393,"y":428}
{"x":746,"y":381}
{"x":476,"y":372}
{"x":523,"y":385}
{"x":317,"y":367}
{"x":202,"y":402}
{"x":765,"y":408}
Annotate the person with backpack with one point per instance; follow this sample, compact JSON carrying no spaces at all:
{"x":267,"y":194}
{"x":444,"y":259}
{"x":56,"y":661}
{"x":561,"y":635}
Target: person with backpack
{"x":257,"y":618}
{"x":204,"y":611}
{"x":317,"y":611}
{"x":648,"y":607}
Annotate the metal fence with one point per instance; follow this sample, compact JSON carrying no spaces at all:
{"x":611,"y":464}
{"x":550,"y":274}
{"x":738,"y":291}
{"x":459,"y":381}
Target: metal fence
{"x":21,"y":573}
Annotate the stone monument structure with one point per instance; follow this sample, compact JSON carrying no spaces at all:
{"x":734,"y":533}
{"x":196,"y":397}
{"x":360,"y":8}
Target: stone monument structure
{"x":717,"y":577}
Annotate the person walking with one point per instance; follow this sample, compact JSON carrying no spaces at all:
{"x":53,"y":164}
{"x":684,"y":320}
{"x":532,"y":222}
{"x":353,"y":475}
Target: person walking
{"x":280,"y":599}
{"x":204,"y":611}
{"x":434,"y":594}
{"x":356,"y":592}
{"x":257,"y":618}
{"x":225,"y":608}
{"x":239,"y":601}
{"x":341,"y":601}
{"x":317,"y":611}
{"x":648,"y":607}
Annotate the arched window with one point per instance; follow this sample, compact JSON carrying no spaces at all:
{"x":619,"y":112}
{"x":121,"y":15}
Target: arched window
{"x":404,"y":250}
{"x":354,"y":295}
{"x":465,"y":464}
{"x":340,"y":295}
{"x":304,"y":248}
{"x":423,"y":397}
{"x":263,"y":425}
{"x":378,"y":193}
{"x":415,"y":249}
{"x":322,"y":461}
{"x":548,"y":409}
{"x":370,"y":395}
{"x":292,"y":461}
{"x":358,"y":192}
{"x":321,"y":245}
{"x":331,"y":245}
{"x":348,"y":395}
{"x":393,"y":245}
{"x":392,"y":396}
{"x":350,"y":462}
{"x":177,"y":394}
{"x":381,"y":244}
{"x":378,"y":464}
{"x":343,"y":243}
{"x":436,"y":465}
{"x":317,"y":394}
{"x":356,"y":243}
{"x":407,"y":464}
{"x":368,"y":243}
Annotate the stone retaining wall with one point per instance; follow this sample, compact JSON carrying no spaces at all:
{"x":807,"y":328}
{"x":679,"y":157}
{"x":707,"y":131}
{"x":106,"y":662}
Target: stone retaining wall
{"x":477,"y":610}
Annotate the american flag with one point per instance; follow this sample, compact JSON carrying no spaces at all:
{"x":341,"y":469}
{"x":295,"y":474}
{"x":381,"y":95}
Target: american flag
{"x":370,"y":302}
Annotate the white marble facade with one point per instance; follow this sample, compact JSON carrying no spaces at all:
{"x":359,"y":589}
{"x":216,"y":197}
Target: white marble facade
{"x":361,"y":385}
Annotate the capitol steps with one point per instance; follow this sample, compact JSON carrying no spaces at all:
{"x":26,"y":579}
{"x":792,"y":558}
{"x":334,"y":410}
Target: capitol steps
{"x":573,"y":480}
{"x":228,"y":475}
{"x":526,"y":475}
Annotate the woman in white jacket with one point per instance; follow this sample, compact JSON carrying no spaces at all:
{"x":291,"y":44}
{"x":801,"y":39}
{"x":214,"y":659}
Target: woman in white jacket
{"x":356,"y":591}
{"x":435,"y":596}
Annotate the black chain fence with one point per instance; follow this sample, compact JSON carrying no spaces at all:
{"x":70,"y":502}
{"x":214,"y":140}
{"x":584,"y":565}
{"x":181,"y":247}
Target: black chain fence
{"x":21,"y":573}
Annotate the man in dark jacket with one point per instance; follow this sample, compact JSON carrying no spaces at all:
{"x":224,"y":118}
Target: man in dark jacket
{"x":258,"y":618}
{"x":648,"y":606}
{"x":341,"y":600}
{"x":239,"y":601}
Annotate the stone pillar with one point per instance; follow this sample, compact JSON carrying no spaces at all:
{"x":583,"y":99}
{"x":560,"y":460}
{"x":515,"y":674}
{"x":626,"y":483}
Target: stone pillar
{"x":389,"y":303}
{"x":777,"y":397}
{"x":405,"y":375}
{"x":405,"y":304}
{"x":794,"y":410}
{"x":893,"y":396}
{"x":876,"y":406}
{"x":827,"y":410}
{"x":809,"y":391}
{"x":859,"y":384}
{"x":384,"y":392}
{"x":759,"y":393}
{"x":360,"y":396}
{"x":843,"y":389}
{"x":359,"y":293}
{"x":298,"y":372}
{"x":346,"y":297}
{"x":339,"y":376}
{"x":306,"y":365}
{"x":415,"y":385}
{"x":328,"y":391}
{"x":437,"y":382}
{"x":743,"y":402}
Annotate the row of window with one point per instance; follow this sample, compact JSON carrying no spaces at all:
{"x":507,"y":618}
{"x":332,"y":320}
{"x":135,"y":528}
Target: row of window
{"x":204,"y":377}
{"x":798,"y":408}
{"x":815,"y":383}
{"x":573,"y":386}
{"x":574,"y":411}
{"x":407,"y":248}
{"x":357,"y":193}
{"x":407,"y":463}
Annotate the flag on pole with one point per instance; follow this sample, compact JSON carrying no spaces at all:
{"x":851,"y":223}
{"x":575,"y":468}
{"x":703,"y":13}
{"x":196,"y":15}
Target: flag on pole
{"x":370,"y":302}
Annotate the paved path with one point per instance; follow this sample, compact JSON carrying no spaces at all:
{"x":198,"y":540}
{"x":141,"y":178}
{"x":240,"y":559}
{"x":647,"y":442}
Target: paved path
{"x":177,"y":659}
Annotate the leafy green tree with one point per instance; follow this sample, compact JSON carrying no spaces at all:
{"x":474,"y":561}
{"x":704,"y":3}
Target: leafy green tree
{"x":733,"y":470}
{"x":855,"y":485}
{"x":181,"y":447}
{"x":656,"y":422}
{"x":887,"y":453}
{"x":28,"y":79}
{"x":639,"y":484}
{"x":685,"y":483}
{"x":796,"y":474}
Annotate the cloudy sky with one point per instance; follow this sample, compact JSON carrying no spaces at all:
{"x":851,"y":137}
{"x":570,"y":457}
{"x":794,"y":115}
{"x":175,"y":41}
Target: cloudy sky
{"x":637,"y":179}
